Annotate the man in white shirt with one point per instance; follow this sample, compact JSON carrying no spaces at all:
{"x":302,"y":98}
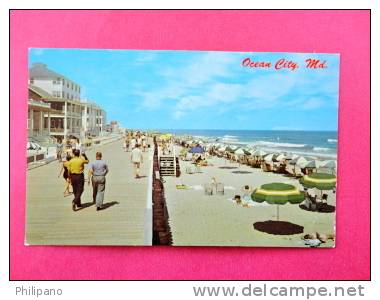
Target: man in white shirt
{"x":133,"y":143}
{"x":137,"y":159}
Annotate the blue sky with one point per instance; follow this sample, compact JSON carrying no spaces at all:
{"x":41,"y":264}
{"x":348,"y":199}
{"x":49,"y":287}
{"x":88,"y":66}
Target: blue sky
{"x":200,"y":89}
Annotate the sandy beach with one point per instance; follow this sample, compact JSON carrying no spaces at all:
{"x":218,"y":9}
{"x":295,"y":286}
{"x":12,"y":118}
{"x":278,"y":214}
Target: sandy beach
{"x":202,"y":220}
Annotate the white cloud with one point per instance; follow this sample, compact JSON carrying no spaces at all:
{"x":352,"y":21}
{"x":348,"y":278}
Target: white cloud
{"x":313,"y":103}
{"x":201,"y":82}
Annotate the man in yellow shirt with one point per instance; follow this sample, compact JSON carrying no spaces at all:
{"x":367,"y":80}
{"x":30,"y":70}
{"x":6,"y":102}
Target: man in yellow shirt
{"x":76,"y":169}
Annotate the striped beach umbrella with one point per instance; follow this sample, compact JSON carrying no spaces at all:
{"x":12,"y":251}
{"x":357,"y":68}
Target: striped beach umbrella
{"x":278,"y":193}
{"x":321,"y":181}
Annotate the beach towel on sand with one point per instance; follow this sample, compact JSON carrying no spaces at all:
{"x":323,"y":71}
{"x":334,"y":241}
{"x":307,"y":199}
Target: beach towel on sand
{"x":248,"y":203}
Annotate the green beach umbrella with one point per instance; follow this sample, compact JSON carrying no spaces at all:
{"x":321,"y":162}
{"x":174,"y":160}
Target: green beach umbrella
{"x":278,"y":193}
{"x":321,"y":181}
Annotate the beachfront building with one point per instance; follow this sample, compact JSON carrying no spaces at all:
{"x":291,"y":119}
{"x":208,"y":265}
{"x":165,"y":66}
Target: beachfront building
{"x":68,"y":117}
{"x":54,"y":83}
{"x":113,"y":127}
{"x":93,"y":119}
{"x":39,"y":114}
{"x":65,"y":117}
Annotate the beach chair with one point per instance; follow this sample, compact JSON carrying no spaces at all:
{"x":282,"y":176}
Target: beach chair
{"x":189,"y":170}
{"x":220,"y":189}
{"x":208,"y":189}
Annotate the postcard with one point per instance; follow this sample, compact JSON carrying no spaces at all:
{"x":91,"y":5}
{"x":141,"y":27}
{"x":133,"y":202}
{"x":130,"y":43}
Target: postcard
{"x":181,"y":148}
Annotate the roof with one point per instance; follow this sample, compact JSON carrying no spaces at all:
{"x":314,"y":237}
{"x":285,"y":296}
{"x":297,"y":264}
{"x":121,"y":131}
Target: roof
{"x":41,"y":71}
{"x":42,"y":93}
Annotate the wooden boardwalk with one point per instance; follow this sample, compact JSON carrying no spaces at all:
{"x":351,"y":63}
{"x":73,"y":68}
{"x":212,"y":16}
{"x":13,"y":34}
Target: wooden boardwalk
{"x":127,"y":221}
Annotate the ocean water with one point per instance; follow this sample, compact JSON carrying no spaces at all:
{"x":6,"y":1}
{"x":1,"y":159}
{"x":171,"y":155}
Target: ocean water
{"x":315,"y":143}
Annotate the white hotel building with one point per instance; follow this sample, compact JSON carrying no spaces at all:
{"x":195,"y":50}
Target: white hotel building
{"x":69,"y":116}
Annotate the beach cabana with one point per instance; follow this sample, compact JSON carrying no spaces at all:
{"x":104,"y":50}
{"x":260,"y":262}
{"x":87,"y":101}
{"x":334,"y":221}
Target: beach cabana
{"x":320,"y":181}
{"x":277,"y":193}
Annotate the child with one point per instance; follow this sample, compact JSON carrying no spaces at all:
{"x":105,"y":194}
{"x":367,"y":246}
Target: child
{"x":237,"y":199}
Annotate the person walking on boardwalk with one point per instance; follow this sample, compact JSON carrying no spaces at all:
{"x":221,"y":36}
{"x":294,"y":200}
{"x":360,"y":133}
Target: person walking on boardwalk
{"x":59,"y":150}
{"x":76,"y":168}
{"x":137,"y":159}
{"x":133,"y":143}
{"x":97,"y":172}
{"x":126,"y":144}
{"x":65,"y":170}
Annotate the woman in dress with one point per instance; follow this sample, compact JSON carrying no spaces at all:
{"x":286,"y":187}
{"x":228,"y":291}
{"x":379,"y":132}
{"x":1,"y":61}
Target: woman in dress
{"x":66,"y":177}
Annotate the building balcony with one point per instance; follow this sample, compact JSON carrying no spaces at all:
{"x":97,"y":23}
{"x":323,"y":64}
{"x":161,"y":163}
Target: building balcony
{"x":38,"y":105}
{"x":56,"y":130}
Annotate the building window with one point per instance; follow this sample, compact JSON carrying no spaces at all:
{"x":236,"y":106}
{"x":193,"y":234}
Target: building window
{"x":63,"y":94}
{"x":63,"y":81}
{"x":31,"y":81}
{"x":57,"y":94}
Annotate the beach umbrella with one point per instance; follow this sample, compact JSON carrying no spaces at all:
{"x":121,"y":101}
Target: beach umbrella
{"x":196,"y":150}
{"x":283,"y":156}
{"x":229,"y":149}
{"x":277,"y":193}
{"x":247,"y":151}
{"x":329,"y":164}
{"x":222,"y":148}
{"x":320,"y":181}
{"x":183,"y":151}
{"x":240,"y":151}
{"x":299,"y":161}
{"x":270,"y":157}
{"x":259,"y":153}
{"x":165,"y":136}
{"x":313,"y":164}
